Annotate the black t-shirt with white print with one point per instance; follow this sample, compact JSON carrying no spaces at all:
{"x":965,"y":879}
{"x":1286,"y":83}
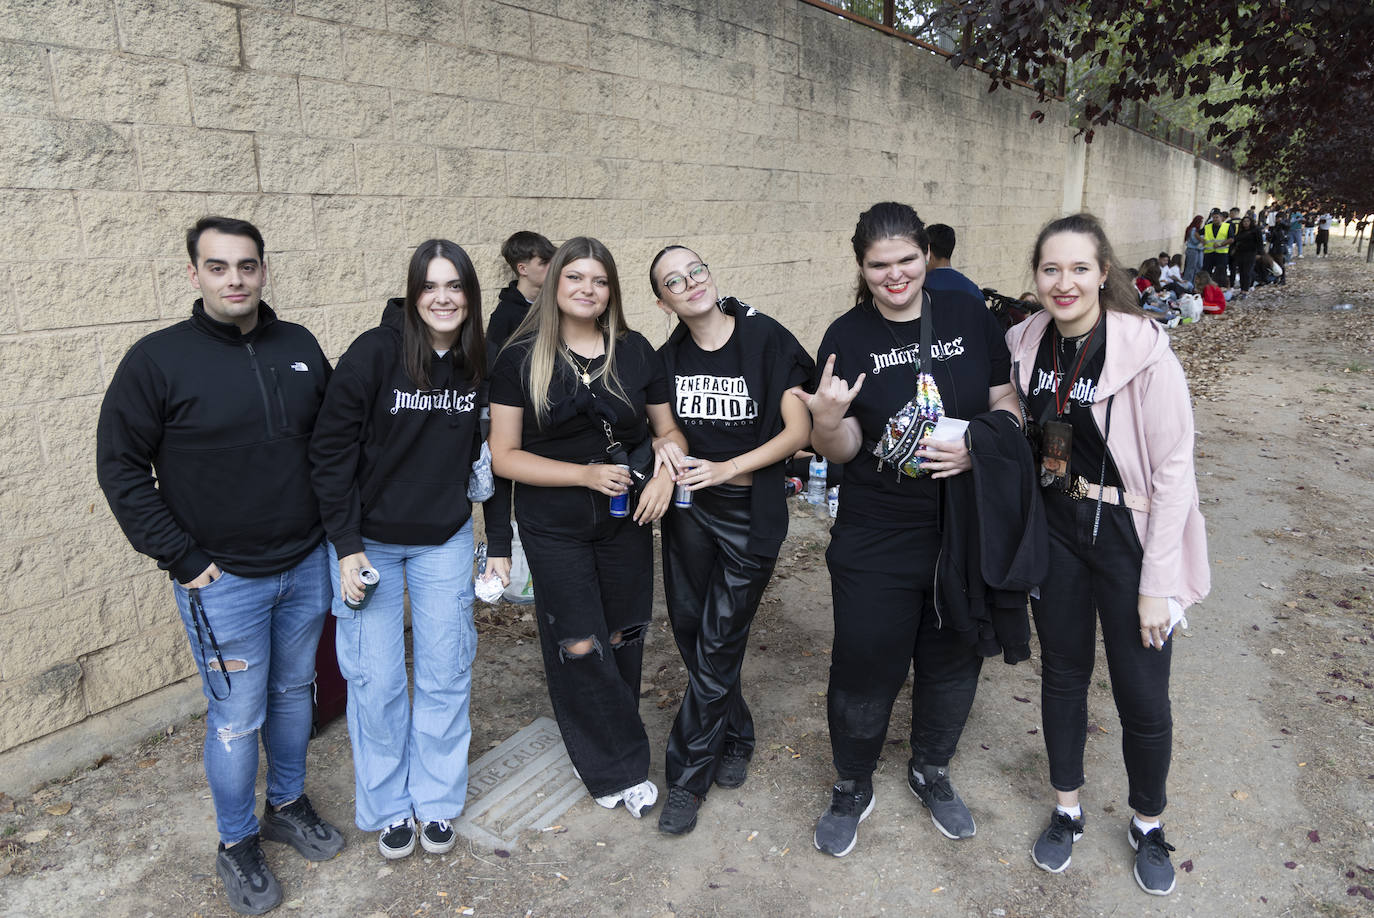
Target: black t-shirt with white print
{"x":712,"y":401}
{"x":1086,"y":453}
{"x":970,"y":357}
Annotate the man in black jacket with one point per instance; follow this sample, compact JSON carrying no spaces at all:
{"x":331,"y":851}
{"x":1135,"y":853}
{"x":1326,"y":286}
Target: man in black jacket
{"x":202,"y":453}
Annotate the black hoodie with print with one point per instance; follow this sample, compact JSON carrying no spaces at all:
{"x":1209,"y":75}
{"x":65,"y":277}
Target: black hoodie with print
{"x":391,"y":461}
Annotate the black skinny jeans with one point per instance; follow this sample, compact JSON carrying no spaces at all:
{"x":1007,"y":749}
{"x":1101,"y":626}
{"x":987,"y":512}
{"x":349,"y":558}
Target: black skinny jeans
{"x":882,"y":585}
{"x":1245,"y":262}
{"x":1105,"y":577}
{"x":593,"y":577}
{"x":713,"y":586}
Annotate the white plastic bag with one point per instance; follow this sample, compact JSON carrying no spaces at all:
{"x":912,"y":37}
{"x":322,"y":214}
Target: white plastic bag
{"x":521,"y":589}
{"x":1190,"y":304}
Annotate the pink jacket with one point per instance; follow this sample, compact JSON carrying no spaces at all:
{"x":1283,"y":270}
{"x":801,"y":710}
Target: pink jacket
{"x":1150,"y":441}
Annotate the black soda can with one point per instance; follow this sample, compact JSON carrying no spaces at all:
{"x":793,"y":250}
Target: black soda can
{"x":370,"y":579}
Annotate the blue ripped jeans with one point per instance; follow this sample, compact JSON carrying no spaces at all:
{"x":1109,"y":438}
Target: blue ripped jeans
{"x":267,"y":629}
{"x":410,"y":757}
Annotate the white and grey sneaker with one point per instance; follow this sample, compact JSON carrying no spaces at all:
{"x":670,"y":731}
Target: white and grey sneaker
{"x":1054,"y":848}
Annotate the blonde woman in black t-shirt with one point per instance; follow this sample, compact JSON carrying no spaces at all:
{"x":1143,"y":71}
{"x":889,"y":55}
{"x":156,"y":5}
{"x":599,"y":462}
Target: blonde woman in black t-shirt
{"x":730,"y":369}
{"x":573,"y":393}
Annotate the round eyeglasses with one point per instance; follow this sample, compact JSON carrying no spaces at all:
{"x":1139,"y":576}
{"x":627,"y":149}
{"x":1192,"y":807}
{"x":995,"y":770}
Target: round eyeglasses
{"x":697,"y":274}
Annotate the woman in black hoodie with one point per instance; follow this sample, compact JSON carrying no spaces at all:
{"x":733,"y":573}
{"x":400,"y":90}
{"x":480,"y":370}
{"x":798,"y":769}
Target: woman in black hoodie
{"x":392,"y":451}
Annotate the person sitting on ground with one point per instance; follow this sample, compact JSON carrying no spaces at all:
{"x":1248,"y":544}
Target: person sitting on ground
{"x":528,"y":255}
{"x":1171,"y":277}
{"x":939,"y":274}
{"x":1213,"y":298}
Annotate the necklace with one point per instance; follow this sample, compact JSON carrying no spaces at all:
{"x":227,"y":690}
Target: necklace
{"x":1083,"y":343}
{"x":887,"y":323}
{"x":583,"y":369}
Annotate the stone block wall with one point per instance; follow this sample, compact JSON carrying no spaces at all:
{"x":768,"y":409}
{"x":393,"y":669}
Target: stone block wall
{"x":350,"y":130}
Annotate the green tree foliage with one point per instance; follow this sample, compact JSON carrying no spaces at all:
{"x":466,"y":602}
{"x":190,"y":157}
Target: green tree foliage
{"x":1286,"y":85}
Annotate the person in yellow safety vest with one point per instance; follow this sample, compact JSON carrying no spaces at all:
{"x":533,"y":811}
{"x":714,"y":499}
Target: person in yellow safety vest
{"x":1216,"y":246}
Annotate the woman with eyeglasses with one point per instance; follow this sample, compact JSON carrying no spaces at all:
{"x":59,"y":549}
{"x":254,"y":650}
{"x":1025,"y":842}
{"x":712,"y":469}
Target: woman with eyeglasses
{"x":574,"y":393}
{"x":731,"y":368}
{"x":876,"y":371}
{"x":391,"y":454}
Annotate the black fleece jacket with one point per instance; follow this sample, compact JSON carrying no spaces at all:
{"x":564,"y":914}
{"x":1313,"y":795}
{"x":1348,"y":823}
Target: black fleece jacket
{"x":391,"y":461}
{"x":993,"y":541}
{"x":201,"y":448}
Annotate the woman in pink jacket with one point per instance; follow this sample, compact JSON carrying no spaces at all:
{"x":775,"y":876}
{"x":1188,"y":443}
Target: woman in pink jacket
{"x":1127,"y":545}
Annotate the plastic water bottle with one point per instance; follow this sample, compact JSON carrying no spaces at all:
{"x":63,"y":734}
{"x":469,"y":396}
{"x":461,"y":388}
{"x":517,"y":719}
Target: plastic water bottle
{"x":815,"y":483}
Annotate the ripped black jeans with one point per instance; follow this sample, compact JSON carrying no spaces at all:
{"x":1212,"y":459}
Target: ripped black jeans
{"x":881,"y":584}
{"x":593,"y":579}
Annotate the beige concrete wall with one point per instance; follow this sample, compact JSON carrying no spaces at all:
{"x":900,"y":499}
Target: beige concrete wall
{"x":350,"y":130}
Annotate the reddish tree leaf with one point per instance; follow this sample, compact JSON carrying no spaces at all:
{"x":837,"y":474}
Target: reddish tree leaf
{"x":1187,"y":866}
{"x":1313,"y":836}
{"x":1291,"y":865}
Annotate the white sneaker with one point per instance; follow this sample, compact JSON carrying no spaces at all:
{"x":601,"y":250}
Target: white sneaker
{"x":610,"y":801}
{"x":639,"y":799}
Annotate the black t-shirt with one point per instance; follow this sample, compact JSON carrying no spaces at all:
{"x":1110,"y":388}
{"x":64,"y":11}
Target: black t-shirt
{"x":970,"y":357}
{"x":570,"y":432}
{"x":1086,"y":453}
{"x":712,"y":401}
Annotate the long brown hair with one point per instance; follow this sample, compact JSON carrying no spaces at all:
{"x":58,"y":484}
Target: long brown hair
{"x":416,"y":349}
{"x":1118,"y":293}
{"x":541,"y":326}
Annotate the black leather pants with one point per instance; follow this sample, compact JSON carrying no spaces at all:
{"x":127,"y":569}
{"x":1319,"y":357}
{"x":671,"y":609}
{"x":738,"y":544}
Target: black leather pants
{"x":713,"y":586}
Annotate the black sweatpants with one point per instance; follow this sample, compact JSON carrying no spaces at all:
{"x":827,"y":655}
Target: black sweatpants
{"x":593,"y":577}
{"x":713,"y":586}
{"x":1323,"y":242}
{"x":1090,"y":582}
{"x":882,"y":587}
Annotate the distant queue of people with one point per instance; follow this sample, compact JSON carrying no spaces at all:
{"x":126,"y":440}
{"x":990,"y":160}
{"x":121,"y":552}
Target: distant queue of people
{"x":981,"y":466}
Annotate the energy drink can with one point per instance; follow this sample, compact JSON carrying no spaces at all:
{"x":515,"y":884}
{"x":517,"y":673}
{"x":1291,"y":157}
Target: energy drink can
{"x":370,"y":579}
{"x":620,"y":504}
{"x":682,"y":497}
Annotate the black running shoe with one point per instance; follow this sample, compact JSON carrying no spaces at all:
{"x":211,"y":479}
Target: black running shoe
{"x":947,"y":809}
{"x":732,"y":768}
{"x":837,"y":831}
{"x":1054,"y":848}
{"x":248,"y":882}
{"x":1153,"y":871}
{"x":679,"y":813}
{"x":298,"y":825}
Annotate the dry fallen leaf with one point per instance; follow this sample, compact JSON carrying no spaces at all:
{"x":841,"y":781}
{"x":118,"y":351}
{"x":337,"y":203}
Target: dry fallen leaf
{"x":59,"y":809}
{"x":1240,"y":795}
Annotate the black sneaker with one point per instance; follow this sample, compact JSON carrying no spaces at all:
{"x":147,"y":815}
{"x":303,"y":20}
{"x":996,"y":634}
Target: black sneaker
{"x":679,"y":814}
{"x":1153,"y":871}
{"x":837,"y":831}
{"x":732,"y":768}
{"x":298,"y":825}
{"x":437,"y":836}
{"x":398,"y":839}
{"x":248,"y":883}
{"x":1054,"y":848}
{"x":947,"y":809}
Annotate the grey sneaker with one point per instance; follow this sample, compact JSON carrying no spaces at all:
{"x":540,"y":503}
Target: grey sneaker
{"x":248,"y":882}
{"x":1153,"y":871}
{"x":298,"y":825}
{"x":837,"y":831}
{"x":1054,"y":848}
{"x":947,"y":809}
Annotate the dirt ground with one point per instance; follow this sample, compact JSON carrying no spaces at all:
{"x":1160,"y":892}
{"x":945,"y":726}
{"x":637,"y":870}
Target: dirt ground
{"x":1272,"y":787}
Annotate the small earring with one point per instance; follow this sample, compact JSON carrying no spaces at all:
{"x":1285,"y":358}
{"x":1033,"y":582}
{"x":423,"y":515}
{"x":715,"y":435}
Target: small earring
{"x":1102,"y":286}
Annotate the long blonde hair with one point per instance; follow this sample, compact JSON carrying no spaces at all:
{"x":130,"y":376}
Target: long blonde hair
{"x":541,"y":323}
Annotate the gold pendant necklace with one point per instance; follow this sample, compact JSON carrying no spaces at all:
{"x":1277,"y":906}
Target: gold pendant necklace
{"x":583,"y":369}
